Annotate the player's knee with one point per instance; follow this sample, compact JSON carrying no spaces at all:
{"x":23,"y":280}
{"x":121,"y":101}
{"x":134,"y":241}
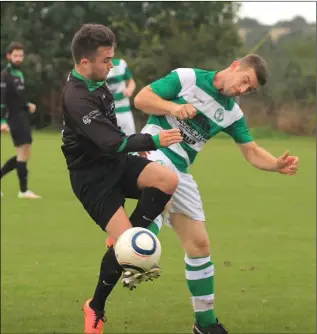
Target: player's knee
{"x":202,"y":244}
{"x":23,"y":152}
{"x":168,"y":181}
{"x":160,"y":177}
{"x":198,"y":247}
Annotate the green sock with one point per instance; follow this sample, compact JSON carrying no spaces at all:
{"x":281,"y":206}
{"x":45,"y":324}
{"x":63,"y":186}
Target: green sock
{"x":156,"y":225}
{"x":200,"y":281}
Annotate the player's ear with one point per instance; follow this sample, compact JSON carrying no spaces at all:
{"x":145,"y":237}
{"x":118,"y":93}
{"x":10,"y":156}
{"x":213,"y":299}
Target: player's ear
{"x":234,"y":66}
{"x":84,"y":62}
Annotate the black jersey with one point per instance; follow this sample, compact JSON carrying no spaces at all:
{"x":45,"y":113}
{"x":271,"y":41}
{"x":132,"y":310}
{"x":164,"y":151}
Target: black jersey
{"x":13,"y":100}
{"x":91,"y":135}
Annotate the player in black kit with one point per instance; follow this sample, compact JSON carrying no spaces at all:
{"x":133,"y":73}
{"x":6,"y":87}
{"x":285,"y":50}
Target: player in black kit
{"x":102,"y":173}
{"x":14,"y":117}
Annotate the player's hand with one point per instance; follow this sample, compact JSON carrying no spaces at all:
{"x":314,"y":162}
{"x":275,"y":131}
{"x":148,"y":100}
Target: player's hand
{"x":32,"y":108}
{"x":287,"y":164}
{"x":127,"y":92}
{"x":183,"y":111}
{"x":5,"y":127}
{"x":170,"y":137}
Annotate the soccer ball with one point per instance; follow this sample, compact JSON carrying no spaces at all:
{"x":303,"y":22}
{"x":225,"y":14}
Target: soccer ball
{"x":138,"y":250}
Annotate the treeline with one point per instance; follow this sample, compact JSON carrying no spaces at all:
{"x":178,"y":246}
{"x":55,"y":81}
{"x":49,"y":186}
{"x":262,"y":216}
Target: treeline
{"x":154,"y":38}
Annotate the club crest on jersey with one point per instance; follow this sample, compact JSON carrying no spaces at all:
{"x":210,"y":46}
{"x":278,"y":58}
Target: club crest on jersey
{"x":161,"y":162}
{"x":219,"y":115}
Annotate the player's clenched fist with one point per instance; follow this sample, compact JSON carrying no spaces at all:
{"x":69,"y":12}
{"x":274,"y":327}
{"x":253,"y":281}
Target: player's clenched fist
{"x":183,"y":111}
{"x":170,"y":137}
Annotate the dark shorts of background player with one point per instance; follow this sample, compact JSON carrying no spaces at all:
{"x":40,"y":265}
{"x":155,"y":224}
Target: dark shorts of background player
{"x":20,"y":129}
{"x":102,"y":190}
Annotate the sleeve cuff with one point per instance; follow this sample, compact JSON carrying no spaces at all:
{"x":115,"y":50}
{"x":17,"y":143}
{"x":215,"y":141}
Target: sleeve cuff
{"x":156,"y":140}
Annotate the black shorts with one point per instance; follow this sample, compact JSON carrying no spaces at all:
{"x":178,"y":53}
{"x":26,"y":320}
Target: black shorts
{"x":20,"y":129}
{"x":102,"y":190}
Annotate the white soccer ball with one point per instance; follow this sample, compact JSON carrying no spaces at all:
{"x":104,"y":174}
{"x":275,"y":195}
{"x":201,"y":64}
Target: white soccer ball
{"x":138,"y":250}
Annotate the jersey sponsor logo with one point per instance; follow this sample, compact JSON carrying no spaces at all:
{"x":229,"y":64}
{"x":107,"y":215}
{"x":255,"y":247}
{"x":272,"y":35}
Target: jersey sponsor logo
{"x":194,"y":130}
{"x":86,"y":120}
{"x":91,"y":115}
{"x":219,"y":115}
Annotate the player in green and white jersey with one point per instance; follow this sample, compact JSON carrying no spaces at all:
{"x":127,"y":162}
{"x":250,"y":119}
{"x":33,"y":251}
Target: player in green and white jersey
{"x":122,"y":86}
{"x":201,"y":104}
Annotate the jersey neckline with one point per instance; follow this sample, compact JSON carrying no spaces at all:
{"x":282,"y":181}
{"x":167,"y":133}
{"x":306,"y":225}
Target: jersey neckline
{"x":91,"y":84}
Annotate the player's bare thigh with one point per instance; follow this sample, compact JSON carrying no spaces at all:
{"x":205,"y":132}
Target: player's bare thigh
{"x":158,"y":176}
{"x":192,"y":234}
{"x":23,"y":152}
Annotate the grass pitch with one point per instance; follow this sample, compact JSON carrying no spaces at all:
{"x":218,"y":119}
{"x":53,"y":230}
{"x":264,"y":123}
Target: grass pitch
{"x":262,"y":228}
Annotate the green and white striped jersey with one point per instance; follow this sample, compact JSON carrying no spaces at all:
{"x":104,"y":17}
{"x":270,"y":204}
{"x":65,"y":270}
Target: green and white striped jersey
{"x":116,"y":81}
{"x":215,"y":113}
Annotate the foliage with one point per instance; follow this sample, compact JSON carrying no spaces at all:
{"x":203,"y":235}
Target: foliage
{"x":154,"y":38}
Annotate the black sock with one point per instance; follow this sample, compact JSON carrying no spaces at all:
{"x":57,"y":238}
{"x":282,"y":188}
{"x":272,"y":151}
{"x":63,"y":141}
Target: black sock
{"x":23,"y":175}
{"x":110,"y":272}
{"x":8,"y":166}
{"x":150,"y":205}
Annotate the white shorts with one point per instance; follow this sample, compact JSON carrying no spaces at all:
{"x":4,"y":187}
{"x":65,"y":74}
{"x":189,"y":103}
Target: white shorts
{"x":126,"y":122}
{"x":186,"y":199}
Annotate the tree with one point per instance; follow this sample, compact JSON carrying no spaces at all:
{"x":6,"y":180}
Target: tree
{"x":154,"y":37}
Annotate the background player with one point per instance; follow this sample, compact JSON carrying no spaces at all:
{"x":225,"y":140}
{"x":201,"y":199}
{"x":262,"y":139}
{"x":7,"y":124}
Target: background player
{"x":122,"y":86}
{"x":14,"y":117}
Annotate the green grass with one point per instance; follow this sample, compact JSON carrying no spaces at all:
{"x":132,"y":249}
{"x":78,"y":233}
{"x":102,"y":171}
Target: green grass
{"x":51,"y":250}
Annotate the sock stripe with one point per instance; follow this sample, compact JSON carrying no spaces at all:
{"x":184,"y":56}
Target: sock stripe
{"x":158,"y":222}
{"x":204,"y":266}
{"x":196,"y":262}
{"x":156,"y":225}
{"x":200,"y":274}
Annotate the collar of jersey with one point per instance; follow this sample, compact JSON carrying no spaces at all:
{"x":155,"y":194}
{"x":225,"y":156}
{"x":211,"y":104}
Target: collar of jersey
{"x":15,"y":72}
{"x":92,"y":85}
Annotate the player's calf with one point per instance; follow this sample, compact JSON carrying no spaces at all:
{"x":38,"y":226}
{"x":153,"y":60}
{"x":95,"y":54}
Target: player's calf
{"x":155,"y":226}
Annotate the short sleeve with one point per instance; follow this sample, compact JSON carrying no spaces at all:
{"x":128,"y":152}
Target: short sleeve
{"x":167,"y":87}
{"x":239,"y":131}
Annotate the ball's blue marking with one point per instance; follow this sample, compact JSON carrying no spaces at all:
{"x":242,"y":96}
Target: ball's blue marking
{"x":140,"y":250}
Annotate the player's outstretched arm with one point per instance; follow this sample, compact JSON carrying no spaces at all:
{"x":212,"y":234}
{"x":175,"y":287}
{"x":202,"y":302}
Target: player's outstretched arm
{"x":262,"y":159}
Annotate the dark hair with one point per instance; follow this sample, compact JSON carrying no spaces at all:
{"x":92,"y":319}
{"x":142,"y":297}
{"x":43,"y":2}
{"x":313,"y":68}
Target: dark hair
{"x":14,"y":46}
{"x":258,"y":64}
{"x":89,"y":38}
